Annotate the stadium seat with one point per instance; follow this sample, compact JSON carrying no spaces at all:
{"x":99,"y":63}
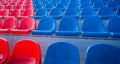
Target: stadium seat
{"x":68,"y":26}
{"x":27,"y":24}
{"x":46,"y":26}
{"x":62,"y":53}
{"x":56,"y":13}
{"x":98,"y":5}
{"x":61,"y":6}
{"x":28,"y":12}
{"x":38,"y":6}
{"x":113,"y":5}
{"x":25,"y":52}
{"x":112,"y":26}
{"x":85,"y":5}
{"x":106,"y":12}
{"x":40,"y":13}
{"x":49,"y":6}
{"x":72,"y":12}
{"x":9,"y":23}
{"x":15,"y":13}
{"x":93,"y":27}
{"x":87,"y":12}
{"x":4,"y":50}
{"x":102,"y":54}
{"x":4,"y":13}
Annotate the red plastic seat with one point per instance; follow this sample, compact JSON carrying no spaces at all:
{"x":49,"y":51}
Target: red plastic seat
{"x":15,"y":13}
{"x":28,"y":12}
{"x":4,"y":13}
{"x":25,"y":52}
{"x":9,"y":23}
{"x":28,"y":7}
{"x":19,"y":7}
{"x":4,"y":50}
{"x":27,"y":24}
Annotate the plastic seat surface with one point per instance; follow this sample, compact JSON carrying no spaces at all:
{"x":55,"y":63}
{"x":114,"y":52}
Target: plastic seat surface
{"x":98,"y":5}
{"x":102,"y":54}
{"x":87,"y":12}
{"x":68,"y":26}
{"x":62,"y":53}
{"x":15,"y":13}
{"x":25,"y":52}
{"x":72,"y":12}
{"x":40,"y":13}
{"x":46,"y":26}
{"x":113,"y":26}
{"x":93,"y":27}
{"x":106,"y":12}
{"x":28,"y":12}
{"x":113,"y":5}
{"x":4,"y":50}
{"x":56,"y":13}
{"x":4,"y":13}
{"x":9,"y":23}
{"x":26,"y":25}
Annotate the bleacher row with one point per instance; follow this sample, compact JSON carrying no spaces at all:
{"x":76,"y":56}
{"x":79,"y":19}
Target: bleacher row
{"x":76,"y":8}
{"x":91,"y":27}
{"x":28,"y":51}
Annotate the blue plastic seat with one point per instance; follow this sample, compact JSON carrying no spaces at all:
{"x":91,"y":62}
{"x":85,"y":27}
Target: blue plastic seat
{"x":68,"y":26}
{"x":40,"y":13}
{"x":73,"y":5}
{"x":113,"y":26}
{"x":73,"y":12}
{"x":46,"y":26}
{"x":105,"y":12}
{"x":93,"y":27}
{"x":61,"y":6}
{"x":118,"y":11}
{"x":74,"y":0}
{"x":49,"y":6}
{"x":56,"y":13}
{"x":85,"y":5}
{"x":55,"y":1}
{"x":113,"y":5}
{"x":62,"y":53}
{"x":102,"y":54}
{"x":98,"y":5}
{"x":86,"y":12}
{"x":38,"y":6}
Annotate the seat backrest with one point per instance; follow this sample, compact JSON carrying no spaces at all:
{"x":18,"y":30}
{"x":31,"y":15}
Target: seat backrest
{"x":10,"y":23}
{"x":4,"y":50}
{"x":27,"y":48}
{"x":16,"y":12}
{"x":28,"y":23}
{"x":28,"y":12}
{"x":93,"y":23}
{"x":41,"y":12}
{"x":106,"y":11}
{"x":47,"y":23}
{"x":102,"y":54}
{"x":68,"y":24}
{"x":62,"y":53}
{"x":4,"y":12}
{"x":113,"y":24}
